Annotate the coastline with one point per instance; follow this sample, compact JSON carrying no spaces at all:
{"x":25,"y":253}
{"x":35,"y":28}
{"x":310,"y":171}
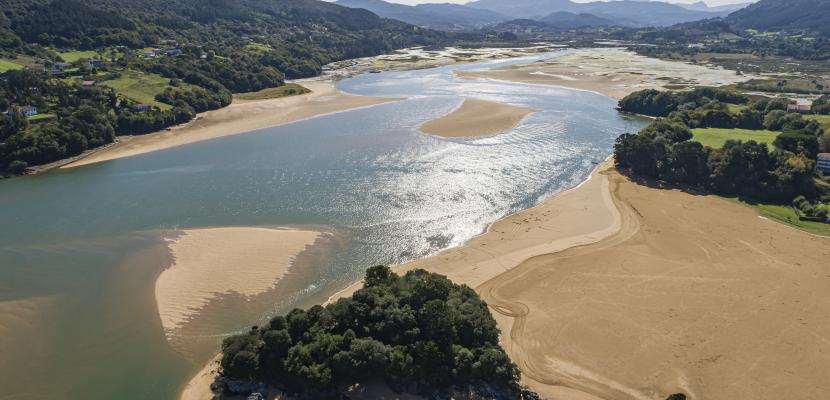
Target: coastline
{"x":240,"y":117}
{"x":693,"y":294}
{"x":590,"y":214}
{"x":579,"y":216}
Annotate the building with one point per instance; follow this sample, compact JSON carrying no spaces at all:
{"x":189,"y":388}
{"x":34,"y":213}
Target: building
{"x":29,"y":111}
{"x":823,"y":163}
{"x":150,"y":54}
{"x":141,"y":107}
{"x":174,"y":52}
{"x":87,"y":83}
{"x":799,"y":108}
{"x":62,"y":65}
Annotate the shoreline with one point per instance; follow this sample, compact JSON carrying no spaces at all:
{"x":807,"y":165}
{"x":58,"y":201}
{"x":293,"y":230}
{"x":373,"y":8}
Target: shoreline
{"x":672,"y":302}
{"x":590,"y":200}
{"x":240,"y":117}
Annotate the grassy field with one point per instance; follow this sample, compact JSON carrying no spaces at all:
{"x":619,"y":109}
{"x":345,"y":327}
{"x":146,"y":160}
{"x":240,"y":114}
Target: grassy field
{"x":7,"y":65}
{"x":823,"y":119}
{"x":72,"y":56}
{"x":736,"y":108}
{"x":784,"y":213}
{"x":141,"y":87}
{"x":258,"y":47}
{"x":40,"y":117}
{"x":716,"y":137}
{"x":289,"y":89}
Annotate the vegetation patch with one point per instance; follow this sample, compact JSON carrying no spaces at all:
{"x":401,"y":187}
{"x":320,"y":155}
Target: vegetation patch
{"x":418,"y":333}
{"x":783,"y":213}
{"x":74,"y":56}
{"x":762,"y":153}
{"x":7,"y":65}
{"x":289,"y":89}
{"x":141,"y":87}
{"x":717,"y":137}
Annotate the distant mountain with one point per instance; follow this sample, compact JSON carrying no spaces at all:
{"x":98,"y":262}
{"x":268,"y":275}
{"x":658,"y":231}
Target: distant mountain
{"x":567,"y":20}
{"x":777,"y":15}
{"x":645,"y":13}
{"x":702,"y":6}
{"x":525,"y":9}
{"x":622,"y":12}
{"x":437,"y":16}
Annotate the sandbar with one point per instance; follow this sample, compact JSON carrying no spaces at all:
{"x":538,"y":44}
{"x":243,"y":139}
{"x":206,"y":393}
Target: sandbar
{"x":242,"y":116}
{"x":580,"y":216}
{"x":214,"y":261}
{"x":475,"y":117}
{"x":612,"y":72}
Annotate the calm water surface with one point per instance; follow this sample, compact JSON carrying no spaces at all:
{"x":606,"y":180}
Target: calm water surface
{"x":80,"y":249}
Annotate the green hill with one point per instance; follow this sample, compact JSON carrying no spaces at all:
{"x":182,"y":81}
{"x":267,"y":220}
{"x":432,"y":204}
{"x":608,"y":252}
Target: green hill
{"x":788,"y":15}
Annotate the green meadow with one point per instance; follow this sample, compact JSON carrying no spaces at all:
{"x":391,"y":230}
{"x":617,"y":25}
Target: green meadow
{"x":716,"y":137}
{"x":141,"y":87}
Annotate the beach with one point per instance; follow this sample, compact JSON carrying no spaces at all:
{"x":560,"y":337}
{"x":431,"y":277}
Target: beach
{"x":694,"y":294}
{"x":214,"y":261}
{"x":475,"y":117}
{"x":612,"y":72}
{"x":242,"y":116}
{"x":617,"y":290}
{"x":580,"y":216}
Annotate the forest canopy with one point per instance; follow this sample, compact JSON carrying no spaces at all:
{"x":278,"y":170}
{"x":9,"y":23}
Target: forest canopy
{"x":418,"y":332}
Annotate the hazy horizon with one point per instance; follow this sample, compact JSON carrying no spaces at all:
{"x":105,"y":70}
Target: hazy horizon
{"x":709,"y":2}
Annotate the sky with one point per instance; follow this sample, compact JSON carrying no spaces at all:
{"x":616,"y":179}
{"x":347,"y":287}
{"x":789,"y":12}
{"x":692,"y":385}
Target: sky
{"x":709,"y":2}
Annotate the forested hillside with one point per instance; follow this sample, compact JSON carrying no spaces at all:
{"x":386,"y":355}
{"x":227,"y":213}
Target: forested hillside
{"x":135,"y":66}
{"x":777,"y":15}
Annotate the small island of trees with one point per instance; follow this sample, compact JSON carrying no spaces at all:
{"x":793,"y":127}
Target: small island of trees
{"x":418,"y":333}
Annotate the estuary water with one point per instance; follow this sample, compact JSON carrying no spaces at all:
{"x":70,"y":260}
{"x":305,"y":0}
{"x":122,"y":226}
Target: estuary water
{"x":80,"y":249}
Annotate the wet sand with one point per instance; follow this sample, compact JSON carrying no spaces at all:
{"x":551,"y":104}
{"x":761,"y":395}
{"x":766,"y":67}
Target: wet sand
{"x":611,"y":72}
{"x":476,"y":117}
{"x":693,"y":294}
{"x":242,"y":116}
{"x":579,"y":216}
{"x":211,"y":262}
{"x":615,"y":290}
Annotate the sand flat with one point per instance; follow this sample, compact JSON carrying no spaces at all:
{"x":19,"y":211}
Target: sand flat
{"x":210,"y":262}
{"x":694,"y":294}
{"x":475,"y":117}
{"x":614,"y":290}
{"x":580,"y":216}
{"x":612,"y":72}
{"x":237,"y":118}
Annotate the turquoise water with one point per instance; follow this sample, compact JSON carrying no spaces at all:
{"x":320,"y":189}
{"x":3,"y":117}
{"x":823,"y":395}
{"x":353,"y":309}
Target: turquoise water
{"x":80,"y":248}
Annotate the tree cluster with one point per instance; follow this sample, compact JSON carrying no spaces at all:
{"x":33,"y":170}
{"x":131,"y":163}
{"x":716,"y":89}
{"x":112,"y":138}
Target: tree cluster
{"x":82,"y":117}
{"x":663,"y":151}
{"x":417,"y":331}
